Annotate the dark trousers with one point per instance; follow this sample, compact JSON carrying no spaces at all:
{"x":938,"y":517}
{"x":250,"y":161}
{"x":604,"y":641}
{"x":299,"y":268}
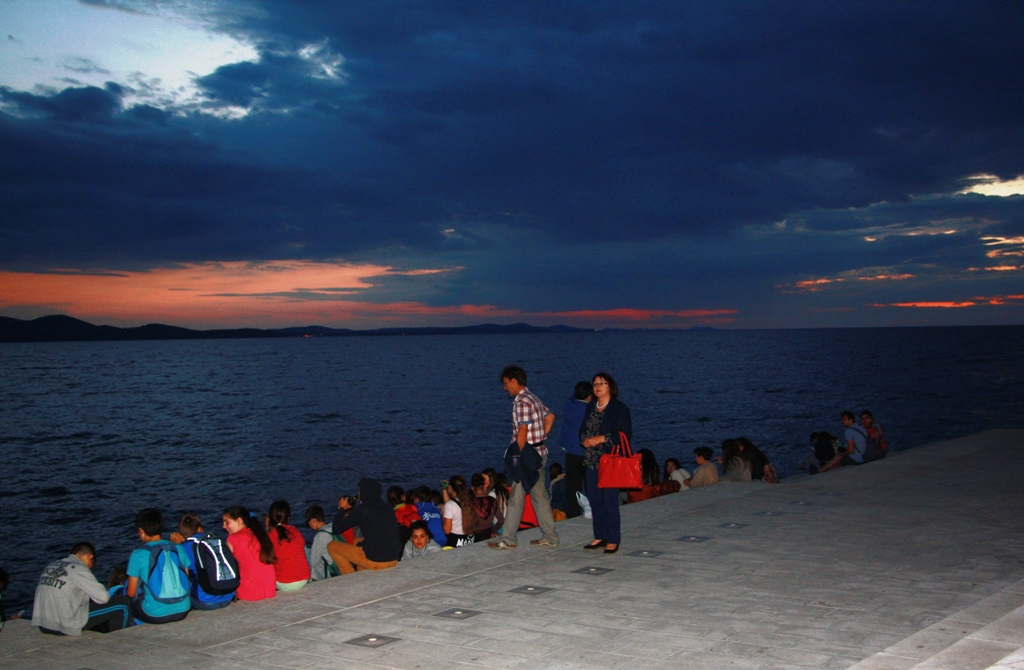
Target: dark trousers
{"x":575,"y":473}
{"x":604,"y":503}
{"x":112,"y":615}
{"x":460,"y":540}
{"x":145,"y":618}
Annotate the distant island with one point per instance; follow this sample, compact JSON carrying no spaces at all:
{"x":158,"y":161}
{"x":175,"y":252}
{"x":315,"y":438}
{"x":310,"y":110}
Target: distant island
{"x":59,"y":328}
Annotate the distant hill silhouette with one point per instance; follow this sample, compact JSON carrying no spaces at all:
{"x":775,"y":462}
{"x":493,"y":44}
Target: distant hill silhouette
{"x":58,"y":328}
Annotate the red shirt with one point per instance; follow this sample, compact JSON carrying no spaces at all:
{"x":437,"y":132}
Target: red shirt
{"x":406,"y":514}
{"x":292,"y":564}
{"x":256,"y":579}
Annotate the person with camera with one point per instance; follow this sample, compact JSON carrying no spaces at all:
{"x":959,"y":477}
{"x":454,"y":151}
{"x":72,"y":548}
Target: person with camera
{"x":379,"y":547}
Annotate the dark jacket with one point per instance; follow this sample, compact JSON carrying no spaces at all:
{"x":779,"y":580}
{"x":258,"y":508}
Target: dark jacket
{"x":824,"y":449}
{"x":376,"y":519}
{"x":523,"y":466}
{"x":615,"y":419}
{"x":757,"y":462}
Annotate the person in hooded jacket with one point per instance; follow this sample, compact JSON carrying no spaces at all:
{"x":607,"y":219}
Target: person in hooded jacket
{"x":379,"y":547}
{"x":70,"y":600}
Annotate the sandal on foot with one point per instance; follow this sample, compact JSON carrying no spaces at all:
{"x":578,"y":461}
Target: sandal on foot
{"x":501,"y":544}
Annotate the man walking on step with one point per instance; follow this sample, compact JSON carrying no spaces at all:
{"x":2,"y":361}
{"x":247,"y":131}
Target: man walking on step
{"x":531,"y":423}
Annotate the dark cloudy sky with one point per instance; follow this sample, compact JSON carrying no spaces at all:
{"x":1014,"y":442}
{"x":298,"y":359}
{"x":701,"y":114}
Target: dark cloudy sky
{"x":737,"y":164}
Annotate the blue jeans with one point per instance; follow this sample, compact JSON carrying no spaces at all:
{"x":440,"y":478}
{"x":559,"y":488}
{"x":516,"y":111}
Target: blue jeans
{"x":198,"y":604}
{"x":604,"y":504}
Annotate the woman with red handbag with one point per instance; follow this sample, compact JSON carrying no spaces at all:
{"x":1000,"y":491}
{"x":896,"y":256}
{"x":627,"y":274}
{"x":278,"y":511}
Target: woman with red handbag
{"x":605,"y":423}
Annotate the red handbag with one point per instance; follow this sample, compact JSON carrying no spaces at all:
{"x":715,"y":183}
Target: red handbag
{"x":620,"y":469}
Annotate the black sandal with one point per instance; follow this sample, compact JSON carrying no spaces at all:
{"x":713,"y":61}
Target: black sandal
{"x":596,"y":545}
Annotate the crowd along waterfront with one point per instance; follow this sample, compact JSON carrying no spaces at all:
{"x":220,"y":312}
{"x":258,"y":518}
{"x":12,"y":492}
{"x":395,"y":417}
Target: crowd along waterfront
{"x":92,"y":432}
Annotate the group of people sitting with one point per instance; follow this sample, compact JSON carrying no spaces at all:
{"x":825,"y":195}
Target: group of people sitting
{"x":193,"y":569}
{"x":190,"y":568}
{"x":862,"y":443}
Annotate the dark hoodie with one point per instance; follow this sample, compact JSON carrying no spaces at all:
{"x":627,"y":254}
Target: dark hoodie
{"x":376,"y":519}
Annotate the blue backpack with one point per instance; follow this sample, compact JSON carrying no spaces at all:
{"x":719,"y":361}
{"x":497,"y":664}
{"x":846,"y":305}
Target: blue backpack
{"x":167,"y":582}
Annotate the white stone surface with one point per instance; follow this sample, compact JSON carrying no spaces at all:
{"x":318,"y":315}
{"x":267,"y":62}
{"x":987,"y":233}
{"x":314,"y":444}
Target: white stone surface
{"x":915,"y":561}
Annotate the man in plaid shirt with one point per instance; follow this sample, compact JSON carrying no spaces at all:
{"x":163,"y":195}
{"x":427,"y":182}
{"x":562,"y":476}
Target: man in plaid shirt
{"x":531,"y":423}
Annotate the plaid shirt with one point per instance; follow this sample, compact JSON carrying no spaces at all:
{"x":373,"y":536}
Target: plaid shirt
{"x":529,"y":411}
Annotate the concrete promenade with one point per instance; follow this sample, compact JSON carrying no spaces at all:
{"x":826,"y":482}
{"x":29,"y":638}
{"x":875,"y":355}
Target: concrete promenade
{"x":912,"y":562}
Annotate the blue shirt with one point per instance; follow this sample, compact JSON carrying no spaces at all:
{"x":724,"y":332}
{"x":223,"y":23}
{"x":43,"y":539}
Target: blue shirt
{"x":572,"y":418}
{"x":138,"y":566}
{"x":859,"y":437}
{"x":429,"y":513}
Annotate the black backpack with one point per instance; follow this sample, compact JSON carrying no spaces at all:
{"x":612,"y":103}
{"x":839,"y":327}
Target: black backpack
{"x":216,"y":567}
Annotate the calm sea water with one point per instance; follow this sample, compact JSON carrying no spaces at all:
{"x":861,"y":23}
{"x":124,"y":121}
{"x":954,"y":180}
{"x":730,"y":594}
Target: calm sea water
{"x":92,"y":432}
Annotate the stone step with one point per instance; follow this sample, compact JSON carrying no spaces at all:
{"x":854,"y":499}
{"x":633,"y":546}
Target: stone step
{"x":1014,"y":661}
{"x":974,"y":638}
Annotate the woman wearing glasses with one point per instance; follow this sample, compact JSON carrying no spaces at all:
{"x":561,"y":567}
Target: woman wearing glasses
{"x":606,"y":417}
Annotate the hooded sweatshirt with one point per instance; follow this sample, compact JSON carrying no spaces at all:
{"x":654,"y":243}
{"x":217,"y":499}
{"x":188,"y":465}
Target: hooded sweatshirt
{"x":411,"y":551}
{"x":63,"y":594}
{"x":376,"y":519}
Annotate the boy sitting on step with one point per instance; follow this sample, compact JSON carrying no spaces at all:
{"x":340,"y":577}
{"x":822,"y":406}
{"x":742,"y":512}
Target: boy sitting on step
{"x":190,"y":533}
{"x":157,"y":573}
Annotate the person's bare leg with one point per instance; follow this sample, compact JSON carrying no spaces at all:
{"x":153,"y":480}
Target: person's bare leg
{"x":831,"y":465}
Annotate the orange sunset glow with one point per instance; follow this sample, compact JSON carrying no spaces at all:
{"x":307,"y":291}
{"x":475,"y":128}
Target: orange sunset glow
{"x":957,"y":304}
{"x":867,"y":275}
{"x":282,"y":292}
{"x":275,"y":294}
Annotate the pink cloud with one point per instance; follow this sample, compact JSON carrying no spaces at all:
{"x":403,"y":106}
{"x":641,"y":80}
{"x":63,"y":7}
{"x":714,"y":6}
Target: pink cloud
{"x":281,"y":293}
{"x":940,"y":304}
{"x":957,"y":304}
{"x":817,"y":284}
{"x":202,"y":294}
{"x":886,"y":277}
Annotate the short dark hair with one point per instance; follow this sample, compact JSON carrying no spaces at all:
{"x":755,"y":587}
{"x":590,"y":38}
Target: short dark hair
{"x":396,"y":495}
{"x":555,"y":469}
{"x":150,"y":521}
{"x":847,"y":414}
{"x":583,"y":390}
{"x":189,"y":524}
{"x":118,"y":575}
{"x":613,"y":388}
{"x":420,"y":525}
{"x":866,"y":413}
{"x":316,"y":512}
{"x":85,"y":549}
{"x":704,"y":452}
{"x":514,"y":372}
{"x":4,"y":579}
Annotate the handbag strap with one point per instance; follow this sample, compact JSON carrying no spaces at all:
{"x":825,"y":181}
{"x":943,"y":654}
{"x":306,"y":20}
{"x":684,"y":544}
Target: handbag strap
{"x":622,"y":448}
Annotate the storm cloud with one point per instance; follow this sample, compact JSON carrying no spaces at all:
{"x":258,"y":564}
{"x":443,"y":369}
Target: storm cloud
{"x":709,"y":152}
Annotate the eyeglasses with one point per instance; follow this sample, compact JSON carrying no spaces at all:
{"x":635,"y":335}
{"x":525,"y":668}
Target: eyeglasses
{"x":600,"y":384}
